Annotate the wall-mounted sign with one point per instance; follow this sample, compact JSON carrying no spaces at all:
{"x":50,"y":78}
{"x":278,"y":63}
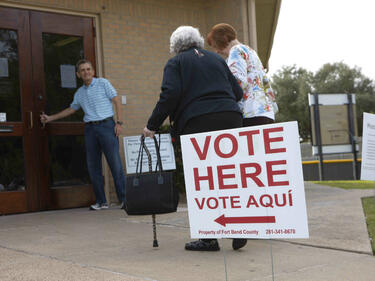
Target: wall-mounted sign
{"x":131,"y":148}
{"x":4,"y":68}
{"x":68,"y":76}
{"x":3,"y":117}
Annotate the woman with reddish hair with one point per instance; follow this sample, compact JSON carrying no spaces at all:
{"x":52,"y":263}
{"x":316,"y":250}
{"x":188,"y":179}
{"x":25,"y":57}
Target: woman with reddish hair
{"x":258,"y":103}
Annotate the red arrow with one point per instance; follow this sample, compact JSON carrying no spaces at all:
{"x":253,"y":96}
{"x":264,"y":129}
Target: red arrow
{"x":223,"y":220}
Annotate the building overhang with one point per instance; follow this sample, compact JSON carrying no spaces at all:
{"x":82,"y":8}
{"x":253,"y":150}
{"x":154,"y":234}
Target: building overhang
{"x":267,"y":14}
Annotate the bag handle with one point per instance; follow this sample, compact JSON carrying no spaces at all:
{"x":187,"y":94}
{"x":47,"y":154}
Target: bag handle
{"x":157,"y":148}
{"x":139,"y":159}
{"x":143,"y":144}
{"x":143,"y":147}
{"x":158,"y":155}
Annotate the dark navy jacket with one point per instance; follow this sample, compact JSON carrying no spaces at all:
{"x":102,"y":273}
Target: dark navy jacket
{"x":195,"y":82}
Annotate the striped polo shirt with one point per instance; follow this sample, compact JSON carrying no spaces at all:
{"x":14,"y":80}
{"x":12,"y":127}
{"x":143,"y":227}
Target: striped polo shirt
{"x":95,"y":100}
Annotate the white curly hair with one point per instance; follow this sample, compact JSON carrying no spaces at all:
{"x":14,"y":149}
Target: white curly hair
{"x":185,"y":37}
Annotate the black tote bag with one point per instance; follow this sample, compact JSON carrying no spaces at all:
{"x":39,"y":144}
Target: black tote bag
{"x":153,"y":192}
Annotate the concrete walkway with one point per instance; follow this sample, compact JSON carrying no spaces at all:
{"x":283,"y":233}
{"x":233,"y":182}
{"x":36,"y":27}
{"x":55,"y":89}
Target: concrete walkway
{"x":78,"y":244}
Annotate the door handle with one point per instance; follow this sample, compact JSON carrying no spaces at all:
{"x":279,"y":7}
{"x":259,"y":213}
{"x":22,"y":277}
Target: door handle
{"x":31,"y":124}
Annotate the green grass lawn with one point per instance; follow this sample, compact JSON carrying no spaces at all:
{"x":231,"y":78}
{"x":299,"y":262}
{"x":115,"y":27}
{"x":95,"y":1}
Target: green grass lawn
{"x":348,"y":184}
{"x":368,"y":204}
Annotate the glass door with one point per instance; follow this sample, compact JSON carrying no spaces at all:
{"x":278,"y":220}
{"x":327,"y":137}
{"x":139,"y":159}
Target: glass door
{"x":58,"y":42}
{"x":17,"y":135}
{"x":41,"y":167}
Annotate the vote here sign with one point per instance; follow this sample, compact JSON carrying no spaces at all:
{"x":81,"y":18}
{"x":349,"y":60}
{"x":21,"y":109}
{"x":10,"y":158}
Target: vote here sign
{"x":245,"y":183}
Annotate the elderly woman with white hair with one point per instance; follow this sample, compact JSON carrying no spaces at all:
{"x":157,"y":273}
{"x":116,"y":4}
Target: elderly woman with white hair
{"x":199,"y":94}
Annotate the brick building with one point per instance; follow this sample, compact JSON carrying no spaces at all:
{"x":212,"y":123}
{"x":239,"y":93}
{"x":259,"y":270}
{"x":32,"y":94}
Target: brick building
{"x":128,"y":41}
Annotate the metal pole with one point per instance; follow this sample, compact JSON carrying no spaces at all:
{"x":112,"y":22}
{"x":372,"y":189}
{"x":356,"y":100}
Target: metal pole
{"x":318,"y":136}
{"x":351,"y":136}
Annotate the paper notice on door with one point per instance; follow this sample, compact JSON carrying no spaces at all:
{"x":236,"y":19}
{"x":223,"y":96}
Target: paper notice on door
{"x":3,"y":117}
{"x":68,"y":76}
{"x":4,"y":69}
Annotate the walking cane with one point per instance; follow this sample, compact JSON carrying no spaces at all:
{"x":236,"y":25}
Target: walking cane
{"x":155,"y":243}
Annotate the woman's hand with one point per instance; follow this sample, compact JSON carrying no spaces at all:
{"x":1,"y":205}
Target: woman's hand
{"x":148,"y":133}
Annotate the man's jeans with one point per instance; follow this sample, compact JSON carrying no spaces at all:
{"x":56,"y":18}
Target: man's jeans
{"x":101,"y":138}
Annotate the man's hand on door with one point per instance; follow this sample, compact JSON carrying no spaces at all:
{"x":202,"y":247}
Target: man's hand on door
{"x":44,"y":118}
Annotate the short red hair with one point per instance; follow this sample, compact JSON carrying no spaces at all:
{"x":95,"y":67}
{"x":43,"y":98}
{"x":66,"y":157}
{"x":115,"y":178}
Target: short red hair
{"x":221,"y":35}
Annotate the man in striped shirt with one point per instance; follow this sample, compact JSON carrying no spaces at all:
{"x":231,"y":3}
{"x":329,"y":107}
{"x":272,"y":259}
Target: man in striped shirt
{"x":96,"y":98}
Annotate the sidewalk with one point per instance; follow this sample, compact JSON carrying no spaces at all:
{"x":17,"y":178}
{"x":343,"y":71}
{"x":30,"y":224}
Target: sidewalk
{"x":78,"y":244}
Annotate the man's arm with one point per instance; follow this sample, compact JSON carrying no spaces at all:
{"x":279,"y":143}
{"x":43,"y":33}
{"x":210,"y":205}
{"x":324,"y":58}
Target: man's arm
{"x":119,"y":117}
{"x":44,"y":118}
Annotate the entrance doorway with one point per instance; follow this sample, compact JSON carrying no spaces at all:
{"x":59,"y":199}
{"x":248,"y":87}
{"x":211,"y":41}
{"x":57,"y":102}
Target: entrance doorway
{"x":41,"y":167}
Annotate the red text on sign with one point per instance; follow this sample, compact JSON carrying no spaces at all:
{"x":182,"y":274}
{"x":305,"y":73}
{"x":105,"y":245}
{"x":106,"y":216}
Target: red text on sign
{"x":224,"y":202}
{"x":268,"y":140}
{"x":271,"y":171}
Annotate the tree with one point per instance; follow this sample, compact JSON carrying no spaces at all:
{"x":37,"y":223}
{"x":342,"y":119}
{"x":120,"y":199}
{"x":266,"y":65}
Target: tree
{"x":340,"y":78}
{"x":292,"y":85}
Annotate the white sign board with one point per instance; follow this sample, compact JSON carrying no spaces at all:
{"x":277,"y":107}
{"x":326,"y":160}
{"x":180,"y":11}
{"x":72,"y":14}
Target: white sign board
{"x":245,"y":183}
{"x":131,"y":148}
{"x":3,"y":117}
{"x":368,"y":147}
{"x":68,"y":76}
{"x":4,"y":68}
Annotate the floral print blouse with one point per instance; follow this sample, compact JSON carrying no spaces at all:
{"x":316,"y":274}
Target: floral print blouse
{"x":258,"y":97}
